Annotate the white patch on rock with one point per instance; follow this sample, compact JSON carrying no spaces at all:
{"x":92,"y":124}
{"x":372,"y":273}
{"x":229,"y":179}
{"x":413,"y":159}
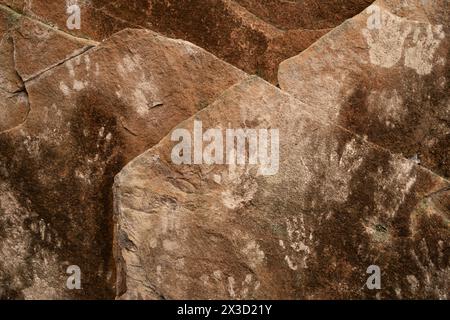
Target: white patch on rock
{"x":153,"y":243}
{"x":78,"y":85}
{"x":254,"y":254}
{"x":97,"y":70}
{"x":413,"y":282}
{"x":217,"y":274}
{"x":141,"y":102}
{"x":242,"y":289}
{"x":217,"y":178}
{"x":231,"y":287}
{"x":290,"y":263}
{"x":386,"y":43}
{"x":421,"y":56}
{"x":158,"y":274}
{"x":64,"y":88}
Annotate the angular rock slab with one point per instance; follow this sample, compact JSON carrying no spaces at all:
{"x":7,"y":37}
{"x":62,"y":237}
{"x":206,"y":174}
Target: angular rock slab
{"x":337,"y":206}
{"x":234,"y":32}
{"x":10,"y":81}
{"x":28,"y":48}
{"x":95,"y":24}
{"x":32,"y":47}
{"x":88,"y":117}
{"x":384,"y":76}
{"x":14,"y":109}
{"x":306,"y":14}
{"x":251,"y":35}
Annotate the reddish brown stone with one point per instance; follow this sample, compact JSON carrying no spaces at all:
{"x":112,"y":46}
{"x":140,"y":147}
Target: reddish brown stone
{"x":89,"y":115}
{"x":389,"y":84}
{"x":337,"y":206}
{"x":248,"y":34}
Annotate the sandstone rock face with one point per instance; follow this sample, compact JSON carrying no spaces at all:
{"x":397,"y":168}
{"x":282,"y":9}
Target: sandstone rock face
{"x":164,"y":171}
{"x":96,"y":24}
{"x":28,"y":48}
{"x":336,"y":206}
{"x":38,"y":48}
{"x":88,"y":111}
{"x":385,"y":75}
{"x":255,"y":36}
{"x":306,"y":14}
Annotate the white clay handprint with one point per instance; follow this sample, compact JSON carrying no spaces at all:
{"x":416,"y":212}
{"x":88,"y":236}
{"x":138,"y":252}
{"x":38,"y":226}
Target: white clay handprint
{"x":420,"y":57}
{"x":386,"y":43}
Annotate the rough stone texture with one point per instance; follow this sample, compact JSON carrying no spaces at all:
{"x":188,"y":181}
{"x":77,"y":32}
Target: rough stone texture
{"x":337,"y":206}
{"x":255,"y":36}
{"x":304,"y":14}
{"x":28,"y":48}
{"x":14,"y":109}
{"x":10,"y":81}
{"x":389,"y":84}
{"x":88,"y":116}
{"x":356,"y":105}
{"x":96,"y":24}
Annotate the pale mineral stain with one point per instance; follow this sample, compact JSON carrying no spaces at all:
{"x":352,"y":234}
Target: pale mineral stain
{"x":291,"y":265}
{"x":386,"y":44}
{"x":231,"y":291}
{"x":64,"y":88}
{"x":420,"y":57}
{"x":78,"y":85}
{"x":217,"y":274}
{"x":254,"y":254}
{"x":141,"y":102}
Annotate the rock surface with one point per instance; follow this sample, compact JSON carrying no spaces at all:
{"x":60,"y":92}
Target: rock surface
{"x":255,"y":36}
{"x":87,"y":115}
{"x":28,"y":48}
{"x":337,"y":206}
{"x":389,"y":83}
{"x":362,"y":120}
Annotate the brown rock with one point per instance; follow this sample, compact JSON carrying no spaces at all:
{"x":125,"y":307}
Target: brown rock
{"x":95,"y":24}
{"x":28,"y":48}
{"x":305,"y":14}
{"x":389,"y":83}
{"x":248,"y":34}
{"x":10,"y":80}
{"x":89,"y":115}
{"x":343,"y":196}
{"x":14,"y":109}
{"x":337,"y":205}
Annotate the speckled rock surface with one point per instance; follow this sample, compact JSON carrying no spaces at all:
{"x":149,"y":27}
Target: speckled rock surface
{"x":357,"y":176}
{"x":255,"y":36}
{"x":86,"y":117}
{"x":337,"y":205}
{"x":390,"y":84}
